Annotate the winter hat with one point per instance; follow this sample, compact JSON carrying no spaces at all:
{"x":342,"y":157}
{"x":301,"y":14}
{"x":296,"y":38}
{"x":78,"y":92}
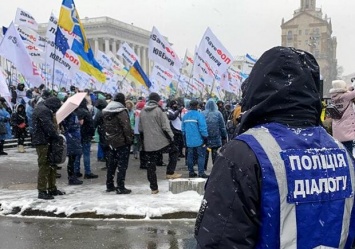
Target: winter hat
{"x":172,"y":103}
{"x":140,"y":105}
{"x":339,"y":86}
{"x":130,"y":102}
{"x":193,"y":104}
{"x":119,"y":97}
{"x":154,"y":96}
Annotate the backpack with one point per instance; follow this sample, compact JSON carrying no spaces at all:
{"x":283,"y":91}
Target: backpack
{"x":58,"y":150}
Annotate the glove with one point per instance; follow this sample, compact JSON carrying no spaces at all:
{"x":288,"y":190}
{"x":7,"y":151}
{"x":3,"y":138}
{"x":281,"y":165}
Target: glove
{"x":205,"y":141}
{"x":224,"y":140}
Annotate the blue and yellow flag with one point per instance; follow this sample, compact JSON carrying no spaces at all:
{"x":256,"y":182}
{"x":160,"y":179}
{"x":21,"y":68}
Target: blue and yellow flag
{"x":137,"y":72}
{"x":70,"y":22}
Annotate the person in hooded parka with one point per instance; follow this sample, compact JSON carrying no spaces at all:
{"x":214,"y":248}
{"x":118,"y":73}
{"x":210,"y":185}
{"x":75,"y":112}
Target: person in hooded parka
{"x":45,"y":132}
{"x":283,"y":181}
{"x":216,"y":129}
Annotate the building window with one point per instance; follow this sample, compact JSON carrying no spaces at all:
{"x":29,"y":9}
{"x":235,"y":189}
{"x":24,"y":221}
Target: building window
{"x":306,"y":31}
{"x":299,"y":32}
{"x":289,"y":35}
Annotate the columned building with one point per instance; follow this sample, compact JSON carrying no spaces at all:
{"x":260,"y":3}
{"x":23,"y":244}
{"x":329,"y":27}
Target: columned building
{"x":107,"y":34}
{"x":309,"y":30}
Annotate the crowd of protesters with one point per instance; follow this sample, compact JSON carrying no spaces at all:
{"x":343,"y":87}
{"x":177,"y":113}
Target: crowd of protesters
{"x":145,"y":127}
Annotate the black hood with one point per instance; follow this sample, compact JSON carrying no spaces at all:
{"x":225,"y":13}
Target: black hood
{"x":100,"y":104}
{"x":53,"y":103}
{"x":283,"y":87}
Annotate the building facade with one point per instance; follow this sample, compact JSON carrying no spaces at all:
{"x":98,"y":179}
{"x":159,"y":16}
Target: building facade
{"x":309,"y":30}
{"x":107,"y":34}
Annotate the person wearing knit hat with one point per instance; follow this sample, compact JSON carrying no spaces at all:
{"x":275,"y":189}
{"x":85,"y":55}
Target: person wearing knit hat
{"x":157,"y":137}
{"x":154,"y":96}
{"x":119,"y":138}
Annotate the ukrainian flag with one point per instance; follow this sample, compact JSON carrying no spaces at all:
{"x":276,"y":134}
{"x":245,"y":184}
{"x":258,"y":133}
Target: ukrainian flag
{"x":137,"y":72}
{"x":70,"y":21}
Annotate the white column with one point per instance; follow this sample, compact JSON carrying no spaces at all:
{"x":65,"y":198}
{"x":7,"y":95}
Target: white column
{"x":96,"y":45}
{"x":139,"y":55}
{"x":107,"y":45}
{"x":114,"y":47}
{"x":149,"y":63}
{"x":101,"y":45}
{"x":144,"y":60}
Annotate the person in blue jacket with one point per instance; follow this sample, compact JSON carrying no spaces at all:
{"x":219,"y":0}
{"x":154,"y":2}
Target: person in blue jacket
{"x":283,"y":181}
{"x":217,"y":133}
{"x":194,"y":130}
{"x":5,"y":122}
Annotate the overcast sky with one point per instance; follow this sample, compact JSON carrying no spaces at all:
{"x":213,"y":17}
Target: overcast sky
{"x":243,"y":26}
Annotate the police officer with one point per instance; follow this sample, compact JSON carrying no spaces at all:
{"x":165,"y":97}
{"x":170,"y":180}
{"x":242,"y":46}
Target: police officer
{"x":283,"y":182}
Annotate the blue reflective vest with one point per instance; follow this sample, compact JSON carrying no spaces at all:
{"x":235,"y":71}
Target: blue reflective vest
{"x":307,"y":192}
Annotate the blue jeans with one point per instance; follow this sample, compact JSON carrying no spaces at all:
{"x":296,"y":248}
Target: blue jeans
{"x":201,"y":153}
{"x":100,"y":152}
{"x":86,"y":156}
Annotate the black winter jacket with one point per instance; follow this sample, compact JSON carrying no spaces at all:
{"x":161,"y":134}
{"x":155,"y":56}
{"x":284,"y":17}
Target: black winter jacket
{"x":117,"y":125}
{"x":44,"y":128}
{"x":87,"y":129}
{"x":99,"y":121}
{"x":283,"y":87}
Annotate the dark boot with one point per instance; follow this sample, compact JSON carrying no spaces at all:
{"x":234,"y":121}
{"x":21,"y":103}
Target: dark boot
{"x":123,"y":191}
{"x":74,"y":181}
{"x":55,"y":192}
{"x":2,"y":153}
{"x":44,"y":195}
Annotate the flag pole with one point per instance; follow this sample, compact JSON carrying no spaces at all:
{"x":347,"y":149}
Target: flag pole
{"x":55,"y":51}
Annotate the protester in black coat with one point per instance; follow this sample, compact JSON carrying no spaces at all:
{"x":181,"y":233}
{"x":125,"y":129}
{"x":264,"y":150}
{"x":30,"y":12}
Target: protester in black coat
{"x":19,"y":123}
{"x":44,"y":133}
{"x":99,"y":121}
{"x":99,"y":125}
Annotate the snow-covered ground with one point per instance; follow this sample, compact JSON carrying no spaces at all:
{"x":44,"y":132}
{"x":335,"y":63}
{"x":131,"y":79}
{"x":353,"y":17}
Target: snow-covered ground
{"x":90,"y":199}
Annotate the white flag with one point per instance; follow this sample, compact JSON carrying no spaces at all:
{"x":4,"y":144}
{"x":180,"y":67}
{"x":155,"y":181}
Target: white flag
{"x":69,"y":63}
{"x":32,"y":37}
{"x":161,"y":75}
{"x":117,"y":65}
{"x":26,"y":19}
{"x":161,"y":52}
{"x":13,"y":49}
{"x":4,"y":90}
{"x":103,"y":59}
{"x":212,"y":51}
{"x":128,"y":54}
{"x":187,"y":64}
